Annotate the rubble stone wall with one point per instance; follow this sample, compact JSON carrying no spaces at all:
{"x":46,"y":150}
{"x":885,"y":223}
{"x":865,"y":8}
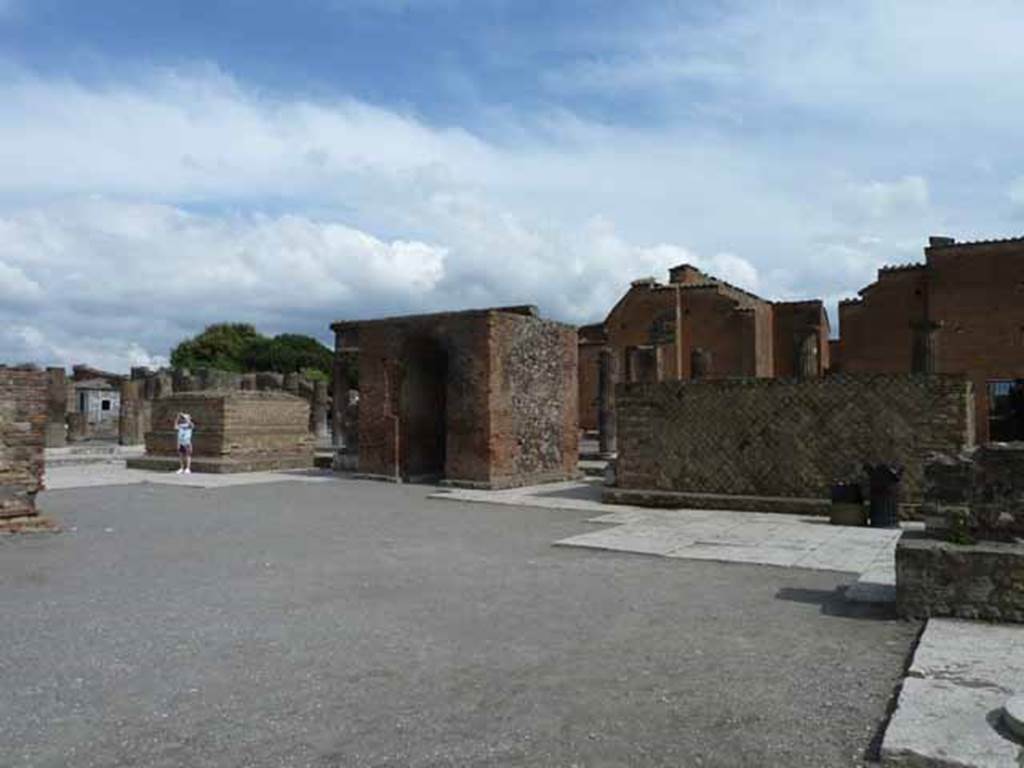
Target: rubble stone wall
{"x":979,"y":581}
{"x":534,"y":399}
{"x":785,"y":438}
{"x":23,"y":417}
{"x":979,"y":493}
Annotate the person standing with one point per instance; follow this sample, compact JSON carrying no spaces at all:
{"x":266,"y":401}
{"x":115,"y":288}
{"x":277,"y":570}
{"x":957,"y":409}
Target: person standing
{"x":184,"y":425}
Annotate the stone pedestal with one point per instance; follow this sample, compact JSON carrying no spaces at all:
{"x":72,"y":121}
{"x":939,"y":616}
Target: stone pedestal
{"x":235,"y":431}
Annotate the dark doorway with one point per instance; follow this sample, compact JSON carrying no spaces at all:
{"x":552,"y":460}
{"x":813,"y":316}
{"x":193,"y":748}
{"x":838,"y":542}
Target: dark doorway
{"x":1006,"y":410}
{"x":423,"y":410}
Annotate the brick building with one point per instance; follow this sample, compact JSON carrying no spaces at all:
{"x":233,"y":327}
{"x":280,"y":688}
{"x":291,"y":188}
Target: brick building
{"x":484,"y":398}
{"x":723,"y":331}
{"x":960,"y":311}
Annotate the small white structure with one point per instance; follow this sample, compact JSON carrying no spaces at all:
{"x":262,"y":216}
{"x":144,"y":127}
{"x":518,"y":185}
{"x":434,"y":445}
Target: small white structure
{"x":99,"y":403}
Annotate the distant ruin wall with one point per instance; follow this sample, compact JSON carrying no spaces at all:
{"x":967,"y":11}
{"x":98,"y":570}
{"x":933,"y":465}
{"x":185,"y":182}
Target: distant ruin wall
{"x":23,"y":417}
{"x":786,"y":438}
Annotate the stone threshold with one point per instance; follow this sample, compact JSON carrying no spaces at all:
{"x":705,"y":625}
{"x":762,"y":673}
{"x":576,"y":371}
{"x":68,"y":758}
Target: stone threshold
{"x":205,"y":464}
{"x":28,"y":524}
{"x":684,"y":500}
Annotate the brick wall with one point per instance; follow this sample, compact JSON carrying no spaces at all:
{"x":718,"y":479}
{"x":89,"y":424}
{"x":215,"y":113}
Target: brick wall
{"x":23,"y":416}
{"x":973,"y":294}
{"x":785,"y":437}
{"x":504,"y":382}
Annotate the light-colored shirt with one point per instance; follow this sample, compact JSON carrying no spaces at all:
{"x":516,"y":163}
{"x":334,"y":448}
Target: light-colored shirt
{"x":185,"y":434}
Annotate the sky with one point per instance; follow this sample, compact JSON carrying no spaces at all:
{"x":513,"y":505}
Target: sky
{"x":168,"y":165}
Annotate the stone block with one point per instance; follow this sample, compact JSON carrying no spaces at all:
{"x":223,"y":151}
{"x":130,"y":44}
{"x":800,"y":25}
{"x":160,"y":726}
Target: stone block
{"x":940,"y":578}
{"x":237,"y":430}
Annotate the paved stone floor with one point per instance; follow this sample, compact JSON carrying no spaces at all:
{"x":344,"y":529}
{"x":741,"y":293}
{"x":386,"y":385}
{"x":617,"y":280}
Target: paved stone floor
{"x":949,"y":709}
{"x":790,"y":541}
{"x":348,"y":623}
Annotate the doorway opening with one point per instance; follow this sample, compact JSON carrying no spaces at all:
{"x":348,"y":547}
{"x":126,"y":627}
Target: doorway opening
{"x":1006,"y":410}
{"x":423,"y":411}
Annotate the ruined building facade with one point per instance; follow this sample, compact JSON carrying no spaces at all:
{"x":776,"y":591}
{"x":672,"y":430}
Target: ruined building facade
{"x":697,"y":326}
{"x":960,"y":311}
{"x":481,"y":398}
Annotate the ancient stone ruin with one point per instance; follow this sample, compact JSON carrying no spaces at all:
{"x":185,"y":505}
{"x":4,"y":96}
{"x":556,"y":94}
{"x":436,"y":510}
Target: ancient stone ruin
{"x":235,"y":431}
{"x":969,"y":562}
{"x":23,"y":419}
{"x":778,"y":445}
{"x":482,"y":398}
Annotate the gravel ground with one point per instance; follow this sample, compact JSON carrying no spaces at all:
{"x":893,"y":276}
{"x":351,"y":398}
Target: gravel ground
{"x":360,"y":624}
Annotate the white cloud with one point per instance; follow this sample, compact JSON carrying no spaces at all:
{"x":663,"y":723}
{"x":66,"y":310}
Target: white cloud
{"x":134,"y":211}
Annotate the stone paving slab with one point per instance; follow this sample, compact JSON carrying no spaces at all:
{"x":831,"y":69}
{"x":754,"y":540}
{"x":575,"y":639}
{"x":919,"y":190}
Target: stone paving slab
{"x":97,"y":475}
{"x":769,"y":538}
{"x":949,"y":709}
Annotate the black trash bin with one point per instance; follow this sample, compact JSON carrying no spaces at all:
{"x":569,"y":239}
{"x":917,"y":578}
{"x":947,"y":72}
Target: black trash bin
{"x":884,"y":494}
{"x":847,"y":504}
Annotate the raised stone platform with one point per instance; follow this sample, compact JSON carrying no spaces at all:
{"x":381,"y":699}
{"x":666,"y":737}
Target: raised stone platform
{"x":235,"y":431}
{"x":223,"y":465}
{"x":968,"y":581}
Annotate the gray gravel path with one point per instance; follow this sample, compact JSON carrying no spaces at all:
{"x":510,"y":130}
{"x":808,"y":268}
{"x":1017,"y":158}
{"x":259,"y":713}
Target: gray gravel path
{"x":360,"y":624}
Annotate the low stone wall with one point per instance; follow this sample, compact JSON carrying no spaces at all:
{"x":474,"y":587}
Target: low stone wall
{"x":23,"y":416}
{"x":234,"y":431}
{"x":978,"y":581}
{"x":785,"y":438}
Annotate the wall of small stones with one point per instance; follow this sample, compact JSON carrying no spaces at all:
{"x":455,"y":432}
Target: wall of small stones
{"x":23,"y":417}
{"x":977,"y":581}
{"x":788,"y":438}
{"x":535,"y":368}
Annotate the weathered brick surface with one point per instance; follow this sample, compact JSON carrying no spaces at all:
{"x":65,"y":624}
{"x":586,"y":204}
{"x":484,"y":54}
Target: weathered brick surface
{"x":758,"y":437}
{"x":23,"y":417}
{"x":483,"y":397}
{"x":940,"y":578}
{"x":233,"y":424}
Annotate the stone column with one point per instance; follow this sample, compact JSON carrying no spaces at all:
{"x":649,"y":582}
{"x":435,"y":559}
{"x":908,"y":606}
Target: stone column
{"x":56,"y":407}
{"x":606,"y":377}
{"x":807,"y":355}
{"x":923,"y":354}
{"x":131,"y":427}
{"x":318,"y":411}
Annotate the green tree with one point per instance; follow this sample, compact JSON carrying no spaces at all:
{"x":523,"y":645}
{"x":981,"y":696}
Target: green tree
{"x":220,"y":346}
{"x":240,"y":348}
